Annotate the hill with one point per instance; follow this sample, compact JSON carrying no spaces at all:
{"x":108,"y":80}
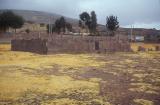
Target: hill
{"x":44,"y":17}
{"x":40,"y":17}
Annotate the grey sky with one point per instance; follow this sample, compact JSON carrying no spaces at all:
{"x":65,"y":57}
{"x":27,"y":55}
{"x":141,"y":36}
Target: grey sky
{"x":141,"y":13}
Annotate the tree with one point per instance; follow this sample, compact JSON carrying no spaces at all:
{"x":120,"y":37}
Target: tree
{"x":17,"y":22}
{"x":5,"y":20}
{"x":90,"y":21}
{"x":93,"y":24}
{"x":62,"y":23}
{"x":69,"y":27}
{"x":9,"y":19}
{"x":80,"y":23}
{"x":27,"y":31}
{"x":60,"y":26}
{"x":85,"y":17}
{"x":57,"y":26}
{"x":112,"y":23}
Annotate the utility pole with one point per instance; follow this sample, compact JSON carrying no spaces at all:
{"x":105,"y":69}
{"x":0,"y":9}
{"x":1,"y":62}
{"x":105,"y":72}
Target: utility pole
{"x":131,"y":32}
{"x":49,"y":27}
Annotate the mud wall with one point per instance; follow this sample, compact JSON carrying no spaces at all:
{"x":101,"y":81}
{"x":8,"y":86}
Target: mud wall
{"x":32,"y":45}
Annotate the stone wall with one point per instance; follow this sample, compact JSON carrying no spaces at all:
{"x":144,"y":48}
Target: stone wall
{"x":71,"y":44}
{"x":85,"y":44}
{"x":32,"y":45}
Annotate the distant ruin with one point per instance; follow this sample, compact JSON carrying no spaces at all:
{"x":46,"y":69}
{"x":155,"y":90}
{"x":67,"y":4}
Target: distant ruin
{"x":44,"y":44}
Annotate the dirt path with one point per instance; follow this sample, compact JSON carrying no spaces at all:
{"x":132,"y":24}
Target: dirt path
{"x":118,"y":76}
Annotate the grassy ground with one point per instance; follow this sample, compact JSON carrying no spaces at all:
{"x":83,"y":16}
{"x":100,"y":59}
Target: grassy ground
{"x":147,"y":46}
{"x":79,"y":79}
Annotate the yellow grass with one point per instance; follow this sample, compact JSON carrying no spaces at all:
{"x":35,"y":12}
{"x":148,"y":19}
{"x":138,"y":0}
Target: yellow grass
{"x":12,"y":85}
{"x":5,"y":47}
{"x":134,"y":46}
{"x":144,"y":87}
{"x":25,"y":76}
{"x":35,"y":61}
{"x":143,"y":102}
{"x":18,"y":76}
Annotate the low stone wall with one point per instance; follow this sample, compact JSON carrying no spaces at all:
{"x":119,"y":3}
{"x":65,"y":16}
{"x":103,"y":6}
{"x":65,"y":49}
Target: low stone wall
{"x":71,"y":44}
{"x":88,"y":44}
{"x":32,"y":45}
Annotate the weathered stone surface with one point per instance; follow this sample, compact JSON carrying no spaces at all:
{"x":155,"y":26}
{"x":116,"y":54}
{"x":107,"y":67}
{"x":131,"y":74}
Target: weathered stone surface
{"x":72,"y":44}
{"x":32,"y":45}
{"x":88,"y":44}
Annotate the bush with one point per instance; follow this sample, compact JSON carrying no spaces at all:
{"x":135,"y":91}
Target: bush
{"x":27,"y":31}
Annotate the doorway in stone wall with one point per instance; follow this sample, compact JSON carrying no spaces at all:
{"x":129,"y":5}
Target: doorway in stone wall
{"x":96,"y":45}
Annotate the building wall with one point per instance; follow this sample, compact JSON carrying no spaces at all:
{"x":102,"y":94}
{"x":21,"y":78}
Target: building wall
{"x":33,"y":27}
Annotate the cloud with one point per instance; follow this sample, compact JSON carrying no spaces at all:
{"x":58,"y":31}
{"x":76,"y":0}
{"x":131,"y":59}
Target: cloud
{"x":128,"y":11}
{"x":144,"y":25}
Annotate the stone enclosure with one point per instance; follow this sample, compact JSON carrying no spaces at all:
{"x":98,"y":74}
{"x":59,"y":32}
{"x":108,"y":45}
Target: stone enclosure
{"x":44,"y":44}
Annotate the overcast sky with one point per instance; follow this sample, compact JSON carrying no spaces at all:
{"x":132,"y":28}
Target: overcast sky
{"x":140,"y":13}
